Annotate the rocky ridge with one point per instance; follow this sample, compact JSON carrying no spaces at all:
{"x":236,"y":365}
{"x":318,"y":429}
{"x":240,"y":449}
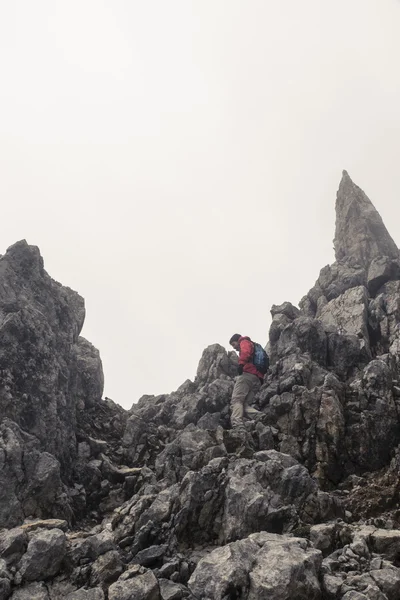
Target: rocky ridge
{"x":162,"y":502}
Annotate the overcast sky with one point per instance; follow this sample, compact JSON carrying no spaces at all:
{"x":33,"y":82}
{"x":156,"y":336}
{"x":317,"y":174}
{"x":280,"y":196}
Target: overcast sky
{"x":177,"y":162}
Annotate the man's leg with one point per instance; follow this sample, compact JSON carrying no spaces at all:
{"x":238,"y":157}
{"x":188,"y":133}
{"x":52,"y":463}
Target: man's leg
{"x":240,"y":391}
{"x":254,"y":385}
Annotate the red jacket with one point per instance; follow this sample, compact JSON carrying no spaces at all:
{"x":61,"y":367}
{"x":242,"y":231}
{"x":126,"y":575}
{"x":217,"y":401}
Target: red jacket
{"x":246,"y":357}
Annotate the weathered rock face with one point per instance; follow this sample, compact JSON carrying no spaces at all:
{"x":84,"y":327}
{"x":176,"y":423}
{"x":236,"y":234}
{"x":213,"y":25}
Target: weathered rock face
{"x":263,"y":565}
{"x":30,"y":482}
{"x":360,"y":232}
{"x":168,"y":502}
{"x":48,"y":373}
{"x":366,"y":255}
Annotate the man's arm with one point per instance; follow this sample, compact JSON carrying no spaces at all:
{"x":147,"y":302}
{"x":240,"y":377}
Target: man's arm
{"x":246,"y":352}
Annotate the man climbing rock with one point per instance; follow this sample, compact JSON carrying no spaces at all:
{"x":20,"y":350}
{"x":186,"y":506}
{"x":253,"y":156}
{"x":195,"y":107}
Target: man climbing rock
{"x":249,"y":380}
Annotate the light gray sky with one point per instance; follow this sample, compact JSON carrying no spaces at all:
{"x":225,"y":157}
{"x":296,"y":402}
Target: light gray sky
{"x":177,"y":161}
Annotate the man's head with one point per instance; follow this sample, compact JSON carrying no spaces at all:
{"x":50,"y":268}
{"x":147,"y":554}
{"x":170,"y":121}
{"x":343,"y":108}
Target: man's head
{"x":234,"y":341}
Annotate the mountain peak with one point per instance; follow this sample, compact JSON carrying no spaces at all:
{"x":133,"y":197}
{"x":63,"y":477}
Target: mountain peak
{"x":360,"y":231}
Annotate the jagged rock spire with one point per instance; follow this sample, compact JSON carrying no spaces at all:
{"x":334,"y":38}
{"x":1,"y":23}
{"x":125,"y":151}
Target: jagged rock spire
{"x":360,"y":231}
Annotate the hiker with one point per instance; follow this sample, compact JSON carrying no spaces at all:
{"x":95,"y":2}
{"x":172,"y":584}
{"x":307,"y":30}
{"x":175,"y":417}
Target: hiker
{"x":250,"y":379}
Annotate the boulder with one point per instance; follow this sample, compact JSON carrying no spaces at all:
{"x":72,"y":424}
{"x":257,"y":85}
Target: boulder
{"x":381,"y":270}
{"x":170,"y":590}
{"x":13,"y":543}
{"x":388,"y":581}
{"x":44,"y":555}
{"x":386,"y":543}
{"x":260,"y":566}
{"x":348,"y":314}
{"x":215,"y":363}
{"x":106,"y":568}
{"x":141,"y":587}
{"x":189,"y":451}
{"x":304,"y":335}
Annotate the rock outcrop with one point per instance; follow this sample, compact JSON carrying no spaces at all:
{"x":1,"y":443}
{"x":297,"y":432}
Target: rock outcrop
{"x":164,"y":501}
{"x":360,"y":232}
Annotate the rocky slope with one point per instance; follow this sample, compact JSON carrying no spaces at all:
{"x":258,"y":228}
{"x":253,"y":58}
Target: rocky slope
{"x":162,"y":502}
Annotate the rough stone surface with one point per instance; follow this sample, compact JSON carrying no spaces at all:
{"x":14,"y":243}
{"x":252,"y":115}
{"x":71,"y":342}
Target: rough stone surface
{"x":360,"y":231}
{"x":261,"y":566}
{"x":93,"y":594}
{"x":44,"y":555}
{"x":13,"y":543}
{"x":165,"y":501}
{"x":141,"y":587}
{"x":33,"y":591}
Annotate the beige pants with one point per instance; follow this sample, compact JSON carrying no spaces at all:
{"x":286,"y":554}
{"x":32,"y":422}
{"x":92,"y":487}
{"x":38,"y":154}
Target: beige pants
{"x":246,"y":386}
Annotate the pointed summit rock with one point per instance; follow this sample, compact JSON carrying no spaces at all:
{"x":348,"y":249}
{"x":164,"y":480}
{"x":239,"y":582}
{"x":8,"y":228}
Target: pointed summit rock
{"x":360,"y":231}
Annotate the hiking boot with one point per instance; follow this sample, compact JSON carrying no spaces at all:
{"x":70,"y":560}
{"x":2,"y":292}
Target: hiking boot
{"x":244,"y":448}
{"x":236,"y":440}
{"x":261,"y":418}
{"x":245,"y":451}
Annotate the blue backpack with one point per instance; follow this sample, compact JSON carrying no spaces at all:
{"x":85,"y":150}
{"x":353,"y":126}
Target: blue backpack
{"x":260,"y":358}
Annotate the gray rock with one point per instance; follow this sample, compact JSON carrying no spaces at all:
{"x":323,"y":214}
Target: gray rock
{"x":353,"y":595}
{"x":248,"y":493}
{"x":386,"y":543}
{"x":374,"y":430}
{"x":348,"y":314}
{"x":360,"y":231}
{"x":44,"y":555}
{"x":287,"y":309}
{"x":261,"y":566}
{"x":346,"y":354}
{"x":381,"y":270}
{"x":30,"y":480}
{"x":92,"y":594}
{"x":303,"y":335}
{"x":210,"y":421}
{"x":216,"y":363}
{"x":388,"y":581}
{"x":90,"y":547}
{"x":288,"y":570}
{"x":279,"y":322}
{"x":4,"y":572}
{"x":384,"y":317}
{"x":168,"y":482}
{"x":31,"y":525}
{"x":5,"y":588}
{"x":150,"y":556}
{"x":89,"y":378}
{"x":106,"y":569}
{"x":225,"y":571}
{"x":323,"y":537}
{"x":341,"y":276}
{"x":141,"y":587}
{"x":199,"y":504}
{"x":190,"y":451}
{"x":40,"y":322}
{"x":331,"y":585}
{"x":170,"y":590}
{"x":13,"y":543}
{"x":33,"y":591}
{"x":330,"y":435}
{"x":42,"y":361}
